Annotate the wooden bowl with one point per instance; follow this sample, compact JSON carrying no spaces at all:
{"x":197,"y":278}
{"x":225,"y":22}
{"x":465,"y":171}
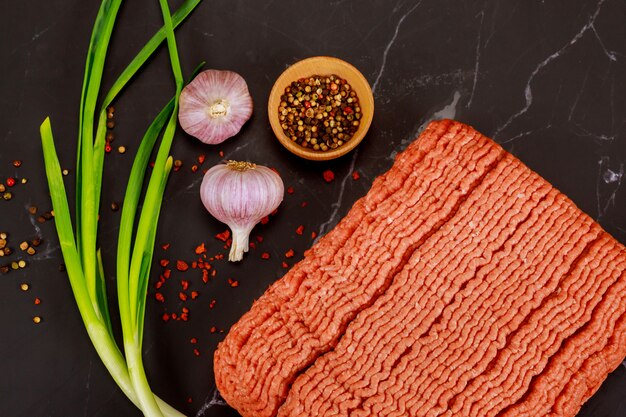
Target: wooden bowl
{"x":322,"y":65}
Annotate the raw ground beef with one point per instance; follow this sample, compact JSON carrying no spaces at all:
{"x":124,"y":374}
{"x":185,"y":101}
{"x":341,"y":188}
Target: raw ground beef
{"x":462,"y":284}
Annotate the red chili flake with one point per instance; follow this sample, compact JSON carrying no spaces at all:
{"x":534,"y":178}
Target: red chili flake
{"x":355,"y":175}
{"x":194,"y":265}
{"x":200,"y":249}
{"x":194,"y":168}
{"x":221,"y":154}
{"x":10,"y":181}
{"x":213,"y":329}
{"x":37,"y":301}
{"x":158,"y":285}
{"x":167,"y":273}
{"x":194,"y":295}
{"x":196,"y":352}
{"x":212,"y":303}
{"x":300,"y":230}
{"x":164,"y":262}
{"x":313,"y":235}
{"x":159,"y":297}
{"x":189,"y":400}
{"x":182,"y":296}
{"x":329,"y":176}
{"x":223,"y":236}
{"x":252,"y":245}
{"x":201,"y":158}
{"x":285,"y":265}
{"x":182,"y":265}
{"x":259,"y":238}
{"x":290,"y":190}
{"x":265,"y":220}
{"x":165,"y":317}
{"x":184,"y":317}
{"x":304,"y":204}
{"x":205,"y":276}
{"x":213,"y":273}
{"x":185,"y":284}
{"x":185,"y":310}
{"x":233,"y":283}
{"x":193,"y":340}
{"x":265,"y":255}
{"x":289,"y":253}
{"x":174,"y":316}
{"x":165,"y":246}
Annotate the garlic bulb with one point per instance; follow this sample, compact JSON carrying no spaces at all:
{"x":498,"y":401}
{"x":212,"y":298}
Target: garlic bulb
{"x":214,"y":106}
{"x":240,"y":194}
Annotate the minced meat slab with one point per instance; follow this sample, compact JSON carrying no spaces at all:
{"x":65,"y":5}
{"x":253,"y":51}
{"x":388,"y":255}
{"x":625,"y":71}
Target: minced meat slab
{"x":462,"y":284}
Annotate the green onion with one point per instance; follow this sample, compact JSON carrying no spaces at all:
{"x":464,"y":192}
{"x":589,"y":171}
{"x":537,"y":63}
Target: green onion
{"x":82,"y":258}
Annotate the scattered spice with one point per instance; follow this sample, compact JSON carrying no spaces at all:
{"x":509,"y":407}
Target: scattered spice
{"x":200,"y":249}
{"x":196,"y":352}
{"x":36,"y":319}
{"x":212,"y":303}
{"x":329,"y":176}
{"x":355,"y":175}
{"x":36,"y":242}
{"x":159,"y":297}
{"x":223,"y":236}
{"x":300,"y":230}
{"x":31,"y":251}
{"x":24,"y":180}
{"x":182,"y":265}
{"x":21,"y":264}
{"x":115,"y":206}
{"x":194,"y":295}
{"x":2,"y":188}
{"x":290,"y":190}
{"x":10,"y":182}
{"x":121,"y":149}
{"x":265,"y":255}
{"x":164,"y":262}
{"x":37,"y":301}
{"x":165,"y":317}
{"x":166,"y":246}
{"x":65,"y":172}
{"x":7,"y":196}
{"x":32,"y":210}
{"x":320,"y":112}
{"x":289,"y":253}
{"x":24,"y":287}
{"x":233,"y":283}
{"x":17,"y":163}
{"x":304,"y":204}
{"x":182,"y":296}
{"x":285,"y":265}
{"x":24,"y":245}
{"x":213,"y":329}
{"x":313,"y":235}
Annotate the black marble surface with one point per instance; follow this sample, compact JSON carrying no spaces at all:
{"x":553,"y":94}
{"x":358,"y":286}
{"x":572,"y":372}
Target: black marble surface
{"x":546,"y":79}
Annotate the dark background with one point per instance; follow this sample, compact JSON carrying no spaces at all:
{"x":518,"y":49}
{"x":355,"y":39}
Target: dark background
{"x":547,"y":79}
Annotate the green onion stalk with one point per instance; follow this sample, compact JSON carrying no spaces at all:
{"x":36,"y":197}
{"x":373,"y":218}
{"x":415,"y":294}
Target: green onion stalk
{"x":135,"y":250}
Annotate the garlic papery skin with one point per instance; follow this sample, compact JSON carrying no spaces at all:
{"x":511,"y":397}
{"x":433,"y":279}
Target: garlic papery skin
{"x":241,"y":194}
{"x":214,"y":106}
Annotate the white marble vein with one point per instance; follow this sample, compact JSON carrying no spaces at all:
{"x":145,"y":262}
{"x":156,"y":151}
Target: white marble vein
{"x":613,"y":181}
{"x":390,"y":44}
{"x":214,"y":399}
{"x":528,"y":93}
{"x":477,"y":62}
{"x":337,"y":204}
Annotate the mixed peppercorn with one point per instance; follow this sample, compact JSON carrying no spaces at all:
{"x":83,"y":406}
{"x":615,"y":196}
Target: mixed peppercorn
{"x":321,"y":112}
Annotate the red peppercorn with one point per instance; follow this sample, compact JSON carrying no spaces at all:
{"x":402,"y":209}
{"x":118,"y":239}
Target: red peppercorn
{"x":329,"y":176}
{"x":196,"y":352}
{"x":212,"y":303}
{"x":193,"y":340}
{"x":164,"y":262}
{"x":10,"y":181}
{"x":165,"y":317}
{"x":355,"y":175}
{"x":201,"y":158}
{"x":107,"y":148}
{"x":213,"y":329}
{"x":290,"y":190}
{"x":259,"y":238}
{"x":304,"y":204}
{"x":265,"y":255}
